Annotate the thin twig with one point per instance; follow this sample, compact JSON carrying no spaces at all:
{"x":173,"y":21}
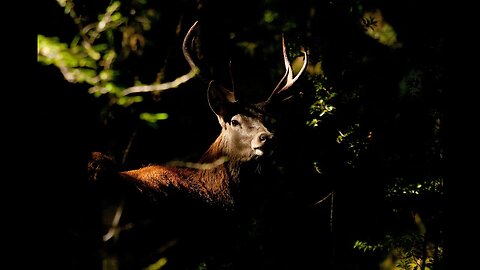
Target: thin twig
{"x":162,"y":86}
{"x":331,"y":212}
{"x":202,"y":166}
{"x":129,"y":145}
{"x":326,"y":197}
{"x":112,"y":231}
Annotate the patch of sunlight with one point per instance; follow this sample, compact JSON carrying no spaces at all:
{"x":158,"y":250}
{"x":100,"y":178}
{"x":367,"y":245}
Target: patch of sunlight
{"x":297,"y":64}
{"x":316,"y":69}
{"x":379,"y":29}
{"x":157,"y":265}
{"x":249,"y":47}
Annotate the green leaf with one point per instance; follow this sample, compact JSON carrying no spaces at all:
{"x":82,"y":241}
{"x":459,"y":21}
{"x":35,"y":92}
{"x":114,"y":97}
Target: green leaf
{"x":153,"y":117}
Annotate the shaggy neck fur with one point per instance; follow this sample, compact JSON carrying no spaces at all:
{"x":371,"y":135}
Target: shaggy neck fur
{"x":213,"y":182}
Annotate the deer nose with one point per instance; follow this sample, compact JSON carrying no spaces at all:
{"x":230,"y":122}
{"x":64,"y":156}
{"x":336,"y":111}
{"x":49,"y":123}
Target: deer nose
{"x":259,"y":143}
{"x":264,"y":136}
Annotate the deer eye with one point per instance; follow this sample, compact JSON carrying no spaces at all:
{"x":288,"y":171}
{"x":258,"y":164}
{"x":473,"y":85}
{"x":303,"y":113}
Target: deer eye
{"x":235,"y":123}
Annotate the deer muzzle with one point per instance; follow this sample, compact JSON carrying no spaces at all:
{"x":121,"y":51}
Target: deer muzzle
{"x":258,"y":144}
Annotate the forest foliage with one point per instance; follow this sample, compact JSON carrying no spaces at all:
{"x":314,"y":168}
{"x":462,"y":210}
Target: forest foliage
{"x":369,"y":172}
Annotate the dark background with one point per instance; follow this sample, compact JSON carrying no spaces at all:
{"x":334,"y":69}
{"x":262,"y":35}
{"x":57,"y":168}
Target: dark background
{"x":284,"y":230}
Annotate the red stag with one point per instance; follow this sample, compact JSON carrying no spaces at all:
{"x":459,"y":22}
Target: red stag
{"x":244,"y":137}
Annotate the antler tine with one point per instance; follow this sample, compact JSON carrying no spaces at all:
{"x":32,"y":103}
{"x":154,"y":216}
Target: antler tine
{"x":290,"y":81}
{"x":185,"y":46}
{"x":288,"y":73}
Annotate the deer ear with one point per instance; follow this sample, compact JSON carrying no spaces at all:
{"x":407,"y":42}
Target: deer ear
{"x":220,"y":99}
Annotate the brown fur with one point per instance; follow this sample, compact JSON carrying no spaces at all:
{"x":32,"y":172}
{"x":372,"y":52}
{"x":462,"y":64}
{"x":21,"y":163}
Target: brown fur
{"x":212,"y":184}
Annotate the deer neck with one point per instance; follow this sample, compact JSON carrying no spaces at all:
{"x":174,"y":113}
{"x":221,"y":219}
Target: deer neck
{"x":221,"y":173}
{"x":214,"y":181}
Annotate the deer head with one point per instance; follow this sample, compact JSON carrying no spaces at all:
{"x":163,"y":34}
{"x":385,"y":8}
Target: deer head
{"x":244,"y":135}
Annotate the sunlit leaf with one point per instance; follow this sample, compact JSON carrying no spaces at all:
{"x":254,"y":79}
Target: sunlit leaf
{"x":379,"y":29}
{"x":113,"y":7}
{"x":153,"y":117}
{"x":116,"y":17}
{"x":92,"y":53}
{"x":100,"y":47}
{"x":158,"y":264}
{"x":105,"y":75}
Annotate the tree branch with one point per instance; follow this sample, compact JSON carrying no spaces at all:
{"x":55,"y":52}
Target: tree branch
{"x":162,"y":86}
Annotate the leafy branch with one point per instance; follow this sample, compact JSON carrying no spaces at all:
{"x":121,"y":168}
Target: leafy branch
{"x":91,"y":56}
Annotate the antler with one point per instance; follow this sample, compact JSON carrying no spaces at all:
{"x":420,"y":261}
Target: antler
{"x":229,"y":94}
{"x":289,"y":72}
{"x":185,"y":46}
{"x":290,"y":80}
